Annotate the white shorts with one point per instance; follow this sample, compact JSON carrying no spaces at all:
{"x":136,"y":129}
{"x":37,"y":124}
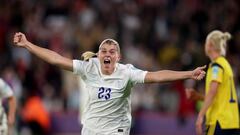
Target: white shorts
{"x":87,"y":131}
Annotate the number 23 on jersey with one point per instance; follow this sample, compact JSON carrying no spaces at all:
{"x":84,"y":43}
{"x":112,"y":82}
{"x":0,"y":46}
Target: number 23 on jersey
{"x":104,"y":93}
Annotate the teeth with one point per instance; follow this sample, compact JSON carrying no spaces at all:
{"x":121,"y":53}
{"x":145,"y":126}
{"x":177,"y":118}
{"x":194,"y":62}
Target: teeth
{"x":106,"y":61}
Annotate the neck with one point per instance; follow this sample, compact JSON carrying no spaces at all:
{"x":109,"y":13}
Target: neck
{"x":107,"y":71}
{"x":214,"y":56}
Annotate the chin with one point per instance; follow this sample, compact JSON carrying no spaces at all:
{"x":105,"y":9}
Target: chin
{"x":107,"y":67}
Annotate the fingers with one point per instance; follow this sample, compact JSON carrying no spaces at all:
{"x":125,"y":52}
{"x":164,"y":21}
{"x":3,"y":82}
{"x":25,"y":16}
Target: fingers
{"x":198,"y":129}
{"x":201,"y":75}
{"x":18,"y":37}
{"x":203,"y":67}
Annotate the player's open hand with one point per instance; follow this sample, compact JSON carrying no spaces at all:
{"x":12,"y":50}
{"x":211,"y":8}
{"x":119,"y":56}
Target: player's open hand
{"x":199,"y":73}
{"x":19,"y":39}
{"x":199,"y":123}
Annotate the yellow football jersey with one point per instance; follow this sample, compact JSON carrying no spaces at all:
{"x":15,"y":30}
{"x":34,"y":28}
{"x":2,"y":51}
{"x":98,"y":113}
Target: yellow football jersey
{"x":224,"y":108}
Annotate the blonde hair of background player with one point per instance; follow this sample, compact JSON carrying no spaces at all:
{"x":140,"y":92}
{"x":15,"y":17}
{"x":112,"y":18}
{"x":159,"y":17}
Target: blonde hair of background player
{"x":219,"y":40}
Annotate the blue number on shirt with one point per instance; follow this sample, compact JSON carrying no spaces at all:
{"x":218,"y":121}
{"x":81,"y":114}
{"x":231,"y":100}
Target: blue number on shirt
{"x":104,"y":93}
{"x":100,"y":93}
{"x":108,"y":91}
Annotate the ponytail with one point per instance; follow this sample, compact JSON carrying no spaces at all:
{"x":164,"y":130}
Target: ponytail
{"x":225,"y":37}
{"x":87,"y":55}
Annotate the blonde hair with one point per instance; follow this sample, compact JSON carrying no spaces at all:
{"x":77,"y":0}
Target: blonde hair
{"x":219,"y":40}
{"x":110,"y":42}
{"x":87,"y":55}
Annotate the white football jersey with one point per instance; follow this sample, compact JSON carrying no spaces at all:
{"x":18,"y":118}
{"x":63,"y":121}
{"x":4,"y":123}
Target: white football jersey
{"x":5,"y":90}
{"x":107,"y":105}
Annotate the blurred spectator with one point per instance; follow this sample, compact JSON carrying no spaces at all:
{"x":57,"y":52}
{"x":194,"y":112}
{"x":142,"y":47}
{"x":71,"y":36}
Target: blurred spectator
{"x":35,"y":116}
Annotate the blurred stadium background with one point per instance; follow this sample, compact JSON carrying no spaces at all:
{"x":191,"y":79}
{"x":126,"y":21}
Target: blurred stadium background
{"x":153,"y":34}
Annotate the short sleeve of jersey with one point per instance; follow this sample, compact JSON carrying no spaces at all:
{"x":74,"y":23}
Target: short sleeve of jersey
{"x":5,"y":90}
{"x":78,"y":67}
{"x":217,"y":73}
{"x":137,"y":75}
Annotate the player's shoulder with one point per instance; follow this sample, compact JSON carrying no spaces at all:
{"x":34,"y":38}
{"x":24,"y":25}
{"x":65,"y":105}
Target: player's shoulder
{"x":2,"y":81}
{"x":221,"y":62}
{"x":125,"y":66}
{"x":3,"y":84}
{"x":91,"y":62}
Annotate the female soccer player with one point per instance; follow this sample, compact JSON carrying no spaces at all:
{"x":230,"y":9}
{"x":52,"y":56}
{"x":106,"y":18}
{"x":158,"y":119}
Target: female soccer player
{"x":108,"y":83}
{"x":220,"y":101}
{"x":6,"y":122}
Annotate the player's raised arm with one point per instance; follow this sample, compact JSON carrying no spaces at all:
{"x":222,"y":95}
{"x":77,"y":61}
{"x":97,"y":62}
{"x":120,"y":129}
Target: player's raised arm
{"x":169,"y":75}
{"x":47,"y":55}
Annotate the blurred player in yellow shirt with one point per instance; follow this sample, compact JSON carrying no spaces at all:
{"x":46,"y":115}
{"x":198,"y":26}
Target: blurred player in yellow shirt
{"x":220,"y":101}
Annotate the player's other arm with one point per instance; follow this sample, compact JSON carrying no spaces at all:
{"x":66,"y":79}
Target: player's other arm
{"x":7,"y":92}
{"x":12,"y":110}
{"x":47,"y":55}
{"x":169,"y":75}
{"x":206,"y":104}
{"x":193,"y":94}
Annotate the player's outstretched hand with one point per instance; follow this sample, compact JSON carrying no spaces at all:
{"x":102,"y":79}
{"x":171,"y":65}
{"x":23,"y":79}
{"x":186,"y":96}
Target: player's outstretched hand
{"x":199,"y":73}
{"x":20,"y":39}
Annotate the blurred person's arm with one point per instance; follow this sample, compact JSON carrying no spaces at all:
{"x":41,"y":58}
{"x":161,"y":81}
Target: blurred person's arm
{"x":193,"y":94}
{"x":7,"y":92}
{"x":47,"y":55}
{"x":168,"y":75}
{"x":12,"y":110}
{"x":206,"y":104}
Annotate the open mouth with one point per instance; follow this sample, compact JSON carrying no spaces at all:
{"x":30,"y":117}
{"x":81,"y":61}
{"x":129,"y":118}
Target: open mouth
{"x":106,"y":61}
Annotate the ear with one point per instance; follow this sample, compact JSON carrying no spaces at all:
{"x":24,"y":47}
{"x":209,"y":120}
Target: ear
{"x":211,"y":45}
{"x":119,"y":57}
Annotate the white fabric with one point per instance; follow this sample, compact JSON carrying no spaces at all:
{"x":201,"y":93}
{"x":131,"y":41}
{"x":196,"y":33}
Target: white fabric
{"x":5,"y":92}
{"x":3,"y":124}
{"x":86,"y":131}
{"x":106,"y":105}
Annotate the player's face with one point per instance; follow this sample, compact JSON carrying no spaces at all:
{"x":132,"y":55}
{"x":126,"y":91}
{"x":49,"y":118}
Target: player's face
{"x":108,"y":56}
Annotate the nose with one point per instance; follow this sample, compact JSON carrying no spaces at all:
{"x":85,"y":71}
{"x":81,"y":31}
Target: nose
{"x":108,"y":54}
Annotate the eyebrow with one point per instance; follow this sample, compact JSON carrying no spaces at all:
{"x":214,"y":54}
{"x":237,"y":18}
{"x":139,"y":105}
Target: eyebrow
{"x":109,"y":50}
